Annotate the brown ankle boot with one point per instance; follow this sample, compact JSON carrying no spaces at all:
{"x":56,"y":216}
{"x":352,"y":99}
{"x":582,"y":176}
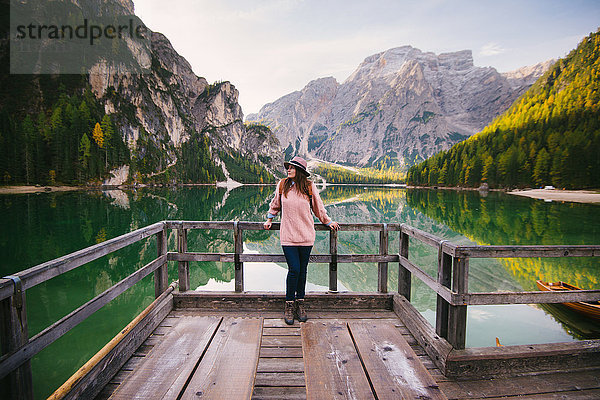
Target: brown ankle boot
{"x":288,"y":314}
{"x":300,"y":310}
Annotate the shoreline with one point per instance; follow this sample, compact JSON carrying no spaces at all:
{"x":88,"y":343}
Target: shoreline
{"x":25,"y":189}
{"x":29,"y":189}
{"x":585,"y":196}
{"x":576,"y":196}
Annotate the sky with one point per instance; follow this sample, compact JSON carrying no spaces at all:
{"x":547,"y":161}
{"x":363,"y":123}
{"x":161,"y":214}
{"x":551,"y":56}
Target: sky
{"x":269,"y":48}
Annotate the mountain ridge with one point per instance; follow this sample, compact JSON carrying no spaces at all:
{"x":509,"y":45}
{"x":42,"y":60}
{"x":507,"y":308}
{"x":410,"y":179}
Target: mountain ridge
{"x":403,"y":102}
{"x":174,"y":123}
{"x":550,"y":136}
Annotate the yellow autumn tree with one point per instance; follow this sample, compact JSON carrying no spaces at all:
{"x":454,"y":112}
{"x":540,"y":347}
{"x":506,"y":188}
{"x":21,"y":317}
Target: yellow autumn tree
{"x":98,"y":135}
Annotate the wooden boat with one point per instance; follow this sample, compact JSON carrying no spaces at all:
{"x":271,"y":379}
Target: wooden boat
{"x":588,"y":308}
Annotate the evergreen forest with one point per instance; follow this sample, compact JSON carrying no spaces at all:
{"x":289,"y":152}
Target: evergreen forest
{"x":246,"y":170}
{"x":549,"y":136}
{"x":68,"y":141}
{"x":336,"y":174}
{"x":67,"y":138}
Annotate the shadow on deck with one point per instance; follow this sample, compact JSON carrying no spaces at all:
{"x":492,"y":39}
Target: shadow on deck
{"x":235,"y":346}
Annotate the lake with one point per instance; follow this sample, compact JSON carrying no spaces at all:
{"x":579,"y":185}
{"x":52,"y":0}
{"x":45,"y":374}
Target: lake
{"x":40,"y":227}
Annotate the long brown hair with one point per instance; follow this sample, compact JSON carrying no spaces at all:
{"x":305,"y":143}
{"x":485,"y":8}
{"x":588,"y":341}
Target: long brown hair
{"x":300,"y":181}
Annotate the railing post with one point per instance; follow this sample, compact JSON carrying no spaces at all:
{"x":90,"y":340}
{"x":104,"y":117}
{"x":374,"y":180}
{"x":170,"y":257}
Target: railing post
{"x":444,"y":277}
{"x":382,"y":267}
{"x":457,"y":315}
{"x":333,"y":236}
{"x":18,"y":384}
{"x":404,"y":275}
{"x":238,"y":244}
{"x":183,"y":266}
{"x":161,"y":277}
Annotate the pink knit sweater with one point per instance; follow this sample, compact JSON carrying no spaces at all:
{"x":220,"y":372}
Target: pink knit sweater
{"x":297,"y":224}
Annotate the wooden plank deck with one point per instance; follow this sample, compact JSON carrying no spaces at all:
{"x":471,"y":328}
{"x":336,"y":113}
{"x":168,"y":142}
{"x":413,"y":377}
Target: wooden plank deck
{"x":166,"y":369}
{"x":227,"y":369}
{"x":393,"y":367}
{"x":336,"y":354}
{"x":333,"y":367}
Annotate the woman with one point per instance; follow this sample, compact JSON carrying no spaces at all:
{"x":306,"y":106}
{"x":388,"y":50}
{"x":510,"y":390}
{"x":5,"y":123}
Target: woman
{"x":296,"y":196}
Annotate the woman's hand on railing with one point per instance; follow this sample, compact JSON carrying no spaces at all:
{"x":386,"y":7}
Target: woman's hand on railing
{"x":268,"y":224}
{"x":334,"y":226}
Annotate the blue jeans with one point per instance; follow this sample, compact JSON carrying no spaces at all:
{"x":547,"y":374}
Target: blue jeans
{"x":297,"y":261}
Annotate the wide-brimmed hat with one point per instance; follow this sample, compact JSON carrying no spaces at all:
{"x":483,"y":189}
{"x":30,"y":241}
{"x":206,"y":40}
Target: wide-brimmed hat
{"x":299,"y":163}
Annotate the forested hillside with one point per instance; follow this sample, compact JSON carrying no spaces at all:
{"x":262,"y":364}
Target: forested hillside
{"x":70,"y":140}
{"x":166,"y":125}
{"x":549,"y":136}
{"x":335,"y":174}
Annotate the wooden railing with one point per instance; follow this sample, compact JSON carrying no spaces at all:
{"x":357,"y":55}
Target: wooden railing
{"x":452,"y":281}
{"x":450,"y":284}
{"x":183,"y":257}
{"x":18,"y":348}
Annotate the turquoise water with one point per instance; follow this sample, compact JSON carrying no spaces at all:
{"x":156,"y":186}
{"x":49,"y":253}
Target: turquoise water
{"x":40,"y":227}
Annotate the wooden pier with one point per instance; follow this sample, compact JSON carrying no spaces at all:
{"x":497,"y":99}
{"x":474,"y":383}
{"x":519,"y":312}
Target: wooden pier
{"x":234,"y":345}
{"x":338,"y":353}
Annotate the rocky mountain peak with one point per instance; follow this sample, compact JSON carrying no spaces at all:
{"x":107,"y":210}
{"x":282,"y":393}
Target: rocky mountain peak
{"x":401,"y":103}
{"x":172,"y":104}
{"x":459,"y":61}
{"x":384,"y":63}
{"x":388,"y":63}
{"x":127,"y":5}
{"x":320,"y":87}
{"x":160,"y":123}
{"x":526,"y":76}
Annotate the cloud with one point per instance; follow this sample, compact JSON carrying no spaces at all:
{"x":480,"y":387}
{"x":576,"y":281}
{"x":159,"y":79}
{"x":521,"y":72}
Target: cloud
{"x":491,"y":49}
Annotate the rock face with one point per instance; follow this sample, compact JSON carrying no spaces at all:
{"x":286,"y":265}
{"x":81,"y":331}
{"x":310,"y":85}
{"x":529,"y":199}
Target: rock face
{"x":158,"y":111}
{"x":402,"y":103}
{"x":171,"y":102}
{"x":259,"y":140}
{"x":295,"y":115}
{"x":524,"y":77}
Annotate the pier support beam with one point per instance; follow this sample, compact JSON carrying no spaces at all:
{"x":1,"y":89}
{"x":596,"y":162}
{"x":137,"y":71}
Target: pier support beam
{"x":161,"y":277}
{"x":14,"y":334}
{"x":444,"y":277}
{"x":457,"y":315}
{"x":333,"y":265}
{"x":184,"y":267}
{"x":238,"y":244}
{"x":404,"y":275}
{"x":383,"y":266}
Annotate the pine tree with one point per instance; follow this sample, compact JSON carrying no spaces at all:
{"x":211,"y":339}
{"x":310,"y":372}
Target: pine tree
{"x":98,"y":135}
{"x":542,"y":167}
{"x":85,"y":152}
{"x":488,"y":169}
{"x":107,"y":129}
{"x":28,"y":129}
